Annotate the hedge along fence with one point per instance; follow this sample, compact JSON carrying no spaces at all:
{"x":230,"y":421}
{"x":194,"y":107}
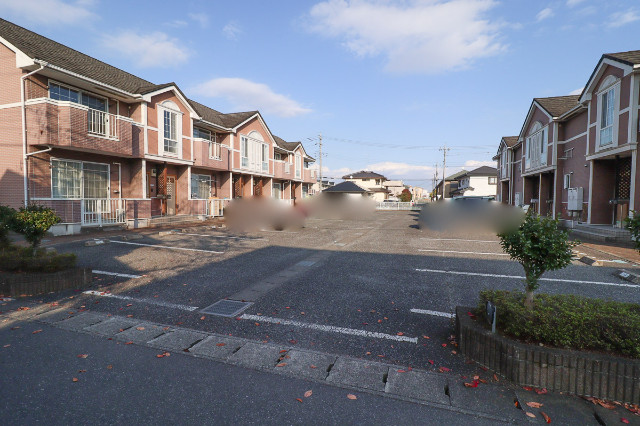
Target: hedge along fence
{"x":580,"y":373}
{"x":34,"y":283}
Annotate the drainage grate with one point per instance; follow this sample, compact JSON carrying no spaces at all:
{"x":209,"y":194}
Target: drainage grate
{"x":226,"y":308}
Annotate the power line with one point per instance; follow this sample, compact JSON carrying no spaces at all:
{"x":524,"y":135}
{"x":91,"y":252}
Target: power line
{"x":402,"y":146}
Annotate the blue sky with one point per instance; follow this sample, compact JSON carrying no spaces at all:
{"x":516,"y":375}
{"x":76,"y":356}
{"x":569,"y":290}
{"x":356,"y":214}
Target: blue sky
{"x":385,"y":82}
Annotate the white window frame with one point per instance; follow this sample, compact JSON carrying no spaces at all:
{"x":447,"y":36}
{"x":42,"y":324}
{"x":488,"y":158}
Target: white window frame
{"x":298,"y":165}
{"x":566,"y":181}
{"x":536,"y":152}
{"x":254,"y":153}
{"x":610,"y":86}
{"x":80,"y":93}
{"x":171,"y":108}
{"x":493,"y":180}
{"x":279,"y":192}
{"x":196,"y":176}
{"x":81,"y":185}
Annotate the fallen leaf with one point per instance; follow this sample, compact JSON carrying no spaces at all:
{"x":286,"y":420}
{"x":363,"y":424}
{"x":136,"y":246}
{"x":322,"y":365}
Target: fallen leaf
{"x":541,"y":391}
{"x":257,"y":323}
{"x":302,"y":313}
{"x":545,"y":417}
{"x":109,"y":367}
{"x":454,"y":352}
{"x":83,"y":355}
{"x":622,"y":420}
{"x":36,"y":331}
{"x":283,"y":351}
{"x":495,"y":378}
{"x":75,"y":379}
{"x":368,"y":353}
{"x":431,"y":362}
{"x":351,"y":396}
{"x":527,"y":388}
{"x":299,"y":399}
{"x":534,"y":404}
{"x":400,"y":333}
{"x":129,"y":343}
{"x":220,"y":344}
{"x":530,"y":414}
{"x":129,"y":304}
{"x":23,"y":308}
{"x":82,"y":371}
{"x":7,"y":345}
{"x":312,"y":366}
{"x":293,"y":342}
{"x":129,"y":316}
{"x":282,"y":364}
{"x":444,"y":369}
{"x":444,"y":345}
{"x":163,"y":354}
{"x":308,"y":393}
{"x":401,"y":371}
{"x":379,"y":321}
{"x":473,"y":384}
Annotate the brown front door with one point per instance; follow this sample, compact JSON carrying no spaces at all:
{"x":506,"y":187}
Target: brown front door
{"x":171,"y":195}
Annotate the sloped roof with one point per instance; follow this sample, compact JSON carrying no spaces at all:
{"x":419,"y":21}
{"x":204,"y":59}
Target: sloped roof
{"x":510,"y":140}
{"x":220,"y":119}
{"x":39,"y":47}
{"x":483,"y":171}
{"x":456,"y":175}
{"x":288,"y":146}
{"x":631,"y":57}
{"x":558,"y":105}
{"x":346,"y":187}
{"x":364,"y":174}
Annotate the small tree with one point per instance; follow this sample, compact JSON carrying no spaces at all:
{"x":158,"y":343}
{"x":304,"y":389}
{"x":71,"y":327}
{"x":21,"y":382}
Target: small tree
{"x":405,"y":196}
{"x":632,"y":223}
{"x":33,"y":222}
{"x":7,"y":215}
{"x":539,"y":246}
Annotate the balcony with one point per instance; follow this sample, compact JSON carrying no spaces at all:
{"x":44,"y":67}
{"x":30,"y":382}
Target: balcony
{"x":210,"y":154}
{"x":65,"y":124}
{"x":309,"y":175}
{"x":282,"y":169}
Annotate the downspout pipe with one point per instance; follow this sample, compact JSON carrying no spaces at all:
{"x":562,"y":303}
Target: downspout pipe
{"x":24,"y":133}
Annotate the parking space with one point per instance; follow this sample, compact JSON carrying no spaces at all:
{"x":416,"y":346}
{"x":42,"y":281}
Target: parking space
{"x":379,"y":288}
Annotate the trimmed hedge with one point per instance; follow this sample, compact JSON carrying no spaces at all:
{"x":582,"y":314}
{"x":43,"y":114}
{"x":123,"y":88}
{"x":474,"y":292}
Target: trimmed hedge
{"x":23,"y":259}
{"x":567,"y":321}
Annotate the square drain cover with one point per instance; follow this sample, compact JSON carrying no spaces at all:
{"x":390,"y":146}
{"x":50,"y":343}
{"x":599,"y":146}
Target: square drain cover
{"x":226,"y":308}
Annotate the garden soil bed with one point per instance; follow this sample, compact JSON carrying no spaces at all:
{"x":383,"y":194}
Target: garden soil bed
{"x":17,"y":284}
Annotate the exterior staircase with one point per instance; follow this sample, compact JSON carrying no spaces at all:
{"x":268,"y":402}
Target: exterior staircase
{"x":600,"y":233}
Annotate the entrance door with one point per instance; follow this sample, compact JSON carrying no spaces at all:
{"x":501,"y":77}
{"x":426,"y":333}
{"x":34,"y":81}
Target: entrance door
{"x":171,"y":195}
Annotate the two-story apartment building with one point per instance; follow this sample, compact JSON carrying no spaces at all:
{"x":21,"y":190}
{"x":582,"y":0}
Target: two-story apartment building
{"x":103,"y":146}
{"x":575,"y":157}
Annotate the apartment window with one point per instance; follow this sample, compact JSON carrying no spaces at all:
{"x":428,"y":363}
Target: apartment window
{"x":76,"y":179}
{"x":202,"y":134}
{"x":200,"y":186}
{"x":298,"y":165}
{"x":277,"y":190}
{"x":607,"y":110}
{"x":305,"y":191}
{"x":244,"y":151}
{"x":214,"y":150}
{"x":277,"y":156}
{"x":536,"y":154}
{"x":493,"y":180}
{"x":567,"y":181}
{"x":265,"y":158}
{"x":63,"y":93}
{"x":170,"y":132}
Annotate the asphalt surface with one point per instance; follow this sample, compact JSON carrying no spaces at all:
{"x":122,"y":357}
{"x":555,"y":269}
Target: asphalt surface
{"x":363,"y":276}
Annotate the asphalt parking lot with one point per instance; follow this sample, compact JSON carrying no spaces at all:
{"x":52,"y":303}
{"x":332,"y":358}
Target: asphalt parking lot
{"x":379,"y":289}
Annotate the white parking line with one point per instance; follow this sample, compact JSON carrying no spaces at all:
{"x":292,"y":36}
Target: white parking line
{"x":219,"y":236}
{"x":477,"y":274}
{"x":115,"y":274}
{"x":459,"y":239}
{"x":464,"y":252}
{"x":330,"y":328}
{"x":434,"y":313}
{"x":167,"y":247}
{"x":141,"y":300}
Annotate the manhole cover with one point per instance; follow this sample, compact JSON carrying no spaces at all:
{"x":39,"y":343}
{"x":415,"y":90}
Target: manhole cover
{"x":226,"y":308}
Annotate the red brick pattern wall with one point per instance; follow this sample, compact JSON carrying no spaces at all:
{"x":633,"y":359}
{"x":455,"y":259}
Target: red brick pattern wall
{"x":11,"y":173}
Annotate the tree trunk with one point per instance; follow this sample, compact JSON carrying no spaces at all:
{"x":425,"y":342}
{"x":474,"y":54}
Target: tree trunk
{"x":528,"y":299}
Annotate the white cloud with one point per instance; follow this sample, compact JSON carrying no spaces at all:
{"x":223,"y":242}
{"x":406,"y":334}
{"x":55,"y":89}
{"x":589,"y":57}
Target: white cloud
{"x":577,"y":91}
{"x":572,"y":3}
{"x":155,"y":49}
{"x":232,"y":30}
{"x":415,"y":36}
{"x":178,"y":23}
{"x":52,"y":12}
{"x":248,"y":95}
{"x":544,"y":14}
{"x":393,"y":170}
{"x":474,"y":164}
{"x":200,"y":18}
{"x":619,"y":19}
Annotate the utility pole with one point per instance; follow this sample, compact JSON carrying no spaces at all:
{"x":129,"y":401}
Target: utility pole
{"x":435,"y":185}
{"x":320,"y":157}
{"x":444,"y":149}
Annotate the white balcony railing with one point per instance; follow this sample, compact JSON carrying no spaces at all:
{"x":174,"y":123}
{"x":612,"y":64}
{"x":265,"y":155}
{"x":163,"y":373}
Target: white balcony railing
{"x":215,"y":206}
{"x":102,"y":123}
{"x":103,"y":211}
{"x":287,"y":168}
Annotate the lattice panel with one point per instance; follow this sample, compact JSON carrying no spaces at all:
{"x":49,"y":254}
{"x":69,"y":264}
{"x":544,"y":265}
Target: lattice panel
{"x":161,"y":179}
{"x":623,"y":191}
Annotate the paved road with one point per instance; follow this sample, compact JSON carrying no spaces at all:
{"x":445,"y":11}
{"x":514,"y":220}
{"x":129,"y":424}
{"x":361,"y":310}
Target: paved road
{"x":379,"y":289}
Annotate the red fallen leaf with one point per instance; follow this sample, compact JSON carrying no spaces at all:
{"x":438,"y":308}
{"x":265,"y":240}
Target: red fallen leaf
{"x":386,"y":318}
{"x":351,"y":396}
{"x":401,"y":371}
{"x":129,"y":304}
{"x":444,"y":369}
{"x":36,"y":331}
{"x":308,"y":393}
{"x":83,"y":355}
{"x":282,"y":364}
{"x":483,"y":381}
{"x":129,"y":343}
{"x":299,"y":399}
{"x":257,"y":323}
{"x":283,"y":351}
{"x":163,"y":354}
{"x":109,"y":367}
{"x":381,"y":356}
{"x":400,"y":333}
{"x":286,"y":307}
{"x":471,"y":314}
{"x":622,"y":420}
{"x":129,"y":316}
{"x":312,"y":366}
{"x":202,"y":318}
{"x":379,"y":321}
{"x":483,"y":368}
{"x":75,"y":379}
{"x":454,"y":352}
{"x":530,"y":414}
{"x":220,"y":344}
{"x":527,"y":388}
{"x":473,"y":384}
{"x":365,"y":323}
{"x":302,"y":313}
{"x":23,"y":308}
{"x":444,"y":345}
{"x":7,"y":345}
{"x":534,"y":404}
{"x":541,"y":391}
{"x":425,"y":337}
{"x":431,"y":362}
{"x":293,"y":342}
{"x":140,"y":328}
{"x":368,"y":353}
{"x":238,"y":318}
{"x":165,"y":328}
{"x":545,"y":417}
{"x":495,"y":378}
{"x":179,"y":323}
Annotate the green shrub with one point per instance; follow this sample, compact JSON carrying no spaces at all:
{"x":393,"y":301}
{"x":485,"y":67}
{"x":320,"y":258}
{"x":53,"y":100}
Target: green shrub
{"x":23,"y":259}
{"x":632,"y":223}
{"x":405,"y":196}
{"x":7,"y":215}
{"x":539,"y":246}
{"x":575,"y":322}
{"x":33,"y":222}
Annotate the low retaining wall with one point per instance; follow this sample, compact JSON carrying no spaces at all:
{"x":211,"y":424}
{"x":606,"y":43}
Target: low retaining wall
{"x":33,"y":283}
{"x":580,"y":373}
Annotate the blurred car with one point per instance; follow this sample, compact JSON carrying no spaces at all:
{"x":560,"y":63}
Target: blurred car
{"x":477,"y":213}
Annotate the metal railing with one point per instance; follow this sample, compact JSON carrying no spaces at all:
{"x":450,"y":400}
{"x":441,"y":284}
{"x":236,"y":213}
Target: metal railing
{"x":103,"y":211}
{"x":102,"y":123}
{"x":398,"y":206}
{"x":215,"y":206}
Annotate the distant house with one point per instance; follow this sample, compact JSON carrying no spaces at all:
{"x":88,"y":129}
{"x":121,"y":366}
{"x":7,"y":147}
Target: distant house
{"x":346,"y":188}
{"x":371,"y":181}
{"x":479,"y":182}
{"x":394,"y":187}
{"x":450,"y":184}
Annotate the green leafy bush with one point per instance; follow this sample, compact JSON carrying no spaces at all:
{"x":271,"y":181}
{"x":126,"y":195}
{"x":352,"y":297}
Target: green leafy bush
{"x":23,"y":259}
{"x":7,"y":215}
{"x":33,"y":222}
{"x":567,"y":321}
{"x":632,"y":223}
{"x":539,"y":246}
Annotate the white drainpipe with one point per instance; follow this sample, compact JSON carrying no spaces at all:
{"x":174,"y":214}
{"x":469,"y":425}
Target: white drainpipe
{"x":24,"y":134}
